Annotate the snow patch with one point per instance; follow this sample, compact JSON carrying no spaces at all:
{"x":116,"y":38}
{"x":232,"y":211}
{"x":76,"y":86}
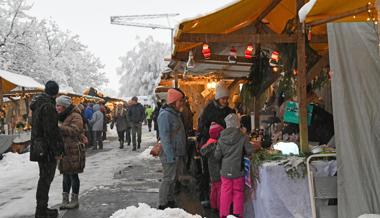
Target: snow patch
{"x":145,"y":155}
{"x":145,"y":211}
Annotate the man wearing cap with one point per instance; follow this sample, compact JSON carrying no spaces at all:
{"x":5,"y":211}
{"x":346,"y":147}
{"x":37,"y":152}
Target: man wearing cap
{"x":136,"y":116}
{"x":173,"y":140}
{"x":46,"y":145}
{"x":215,"y":111}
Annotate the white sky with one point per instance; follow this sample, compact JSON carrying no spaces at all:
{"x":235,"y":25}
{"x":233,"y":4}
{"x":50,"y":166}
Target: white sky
{"x":90,"y":19}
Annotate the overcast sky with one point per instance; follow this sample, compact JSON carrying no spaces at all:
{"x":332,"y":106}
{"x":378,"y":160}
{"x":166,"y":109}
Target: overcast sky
{"x":90,"y":19}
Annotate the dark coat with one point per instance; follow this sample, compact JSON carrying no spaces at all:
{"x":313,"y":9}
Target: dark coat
{"x":45,"y":128}
{"x":136,"y":113}
{"x":214,"y":165}
{"x":71,"y":130}
{"x":156,"y":112}
{"x":211,"y":113}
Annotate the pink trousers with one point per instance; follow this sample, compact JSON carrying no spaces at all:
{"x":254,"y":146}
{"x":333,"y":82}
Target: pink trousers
{"x":232,"y":191}
{"x":215,"y":194}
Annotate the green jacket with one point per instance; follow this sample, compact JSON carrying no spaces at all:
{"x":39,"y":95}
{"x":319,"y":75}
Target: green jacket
{"x":149,"y":113}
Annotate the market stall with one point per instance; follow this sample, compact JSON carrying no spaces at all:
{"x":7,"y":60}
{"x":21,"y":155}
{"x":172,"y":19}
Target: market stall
{"x":260,"y":43}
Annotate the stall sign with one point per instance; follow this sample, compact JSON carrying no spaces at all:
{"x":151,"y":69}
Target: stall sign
{"x":291,"y":113}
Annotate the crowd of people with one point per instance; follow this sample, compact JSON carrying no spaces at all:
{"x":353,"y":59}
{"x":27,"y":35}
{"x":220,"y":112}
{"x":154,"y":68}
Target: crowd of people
{"x":61,"y":132}
{"x":222,"y":143}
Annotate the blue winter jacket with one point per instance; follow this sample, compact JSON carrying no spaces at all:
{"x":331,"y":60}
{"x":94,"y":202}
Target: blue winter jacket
{"x":88,"y":113}
{"x":172,"y":134}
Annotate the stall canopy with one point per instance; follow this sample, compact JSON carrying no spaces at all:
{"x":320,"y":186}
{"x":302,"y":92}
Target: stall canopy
{"x":275,"y":14}
{"x":12,"y":80}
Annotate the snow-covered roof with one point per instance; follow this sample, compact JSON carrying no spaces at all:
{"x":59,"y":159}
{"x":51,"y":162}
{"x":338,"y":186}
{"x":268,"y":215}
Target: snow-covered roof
{"x":20,"y":80}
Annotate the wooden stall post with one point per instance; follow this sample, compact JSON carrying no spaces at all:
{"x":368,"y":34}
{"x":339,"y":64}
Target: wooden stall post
{"x":301,"y":82}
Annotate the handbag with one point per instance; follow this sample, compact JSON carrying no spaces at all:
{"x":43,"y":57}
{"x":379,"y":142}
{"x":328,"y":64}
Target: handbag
{"x":156,"y":150}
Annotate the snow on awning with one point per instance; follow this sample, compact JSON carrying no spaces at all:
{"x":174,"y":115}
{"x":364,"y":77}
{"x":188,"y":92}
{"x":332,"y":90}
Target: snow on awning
{"x":12,"y":80}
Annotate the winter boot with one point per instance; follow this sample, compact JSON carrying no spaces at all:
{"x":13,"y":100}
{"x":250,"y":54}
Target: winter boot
{"x":41,"y":212}
{"x":51,"y":213}
{"x":162,"y":207}
{"x":74,"y":203}
{"x":65,"y":201}
{"x":138,"y":146}
{"x":121,"y":144}
{"x":134,"y":148}
{"x":172,"y":204}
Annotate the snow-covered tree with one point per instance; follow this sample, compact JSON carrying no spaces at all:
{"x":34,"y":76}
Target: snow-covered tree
{"x":41,"y":50}
{"x":141,"y":67}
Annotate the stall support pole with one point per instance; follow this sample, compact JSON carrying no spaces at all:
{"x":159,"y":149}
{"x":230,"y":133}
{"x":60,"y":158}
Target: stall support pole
{"x":257,"y":111}
{"x":175,"y":79}
{"x":301,"y":82}
{"x":26,"y":101}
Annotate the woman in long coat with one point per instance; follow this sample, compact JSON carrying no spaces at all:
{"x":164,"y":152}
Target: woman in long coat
{"x":73,"y":162}
{"x":120,"y":118}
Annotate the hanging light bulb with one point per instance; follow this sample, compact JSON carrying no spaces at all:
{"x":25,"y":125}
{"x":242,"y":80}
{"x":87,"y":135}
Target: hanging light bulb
{"x":249,"y":51}
{"x":206,"y":51}
{"x":190,"y":63}
{"x":232,"y":58}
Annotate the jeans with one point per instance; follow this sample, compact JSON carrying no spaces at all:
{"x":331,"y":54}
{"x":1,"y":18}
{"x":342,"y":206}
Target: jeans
{"x":121,"y":135}
{"x":47,"y":172}
{"x":98,"y":139}
{"x":136,"y":130}
{"x":150,"y":124}
{"x":71,"y":181}
{"x":166,"y":192}
{"x":128,"y":135}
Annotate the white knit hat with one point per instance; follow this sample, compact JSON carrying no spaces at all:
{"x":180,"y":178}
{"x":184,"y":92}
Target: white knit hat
{"x":232,"y":121}
{"x":221,"y":91}
{"x":64,"y":101}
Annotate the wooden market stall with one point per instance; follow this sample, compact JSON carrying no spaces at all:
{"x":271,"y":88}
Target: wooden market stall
{"x":272,"y":25}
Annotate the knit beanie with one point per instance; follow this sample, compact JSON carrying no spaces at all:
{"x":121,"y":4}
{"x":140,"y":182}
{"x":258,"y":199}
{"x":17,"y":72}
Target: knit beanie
{"x":64,"y":101}
{"x":215,"y":130}
{"x":51,"y":88}
{"x":174,"y":95}
{"x":221,"y":91}
{"x":232,"y":121}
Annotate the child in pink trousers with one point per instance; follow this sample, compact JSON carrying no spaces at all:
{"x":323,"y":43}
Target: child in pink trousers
{"x":214,"y":165}
{"x":232,"y":146}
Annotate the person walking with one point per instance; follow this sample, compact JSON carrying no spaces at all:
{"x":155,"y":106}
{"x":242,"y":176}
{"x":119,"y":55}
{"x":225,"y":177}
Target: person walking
{"x":149,"y":117}
{"x":215,"y":111}
{"x":73,"y":162}
{"x":156,"y":112}
{"x":232,"y":146}
{"x":128,"y":137}
{"x":88,"y":112}
{"x":120,"y":118}
{"x":96,"y":123}
{"x":136,"y":116}
{"x":46,"y":146}
{"x":173,"y":140}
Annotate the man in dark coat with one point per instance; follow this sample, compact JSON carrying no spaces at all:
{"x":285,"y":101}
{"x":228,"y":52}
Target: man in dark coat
{"x":215,"y":111}
{"x":46,"y":145}
{"x":136,"y":116}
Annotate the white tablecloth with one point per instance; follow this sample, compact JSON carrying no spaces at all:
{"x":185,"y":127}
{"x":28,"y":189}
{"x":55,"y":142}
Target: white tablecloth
{"x":279,"y":196}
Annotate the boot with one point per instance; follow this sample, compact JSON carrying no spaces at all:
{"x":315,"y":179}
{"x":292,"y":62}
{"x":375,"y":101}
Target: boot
{"x":41,"y":212}
{"x":121,"y":144}
{"x":65,"y":201}
{"x":134,"y":148}
{"x":74,"y":203}
{"x":51,"y":213}
{"x":138,"y":146}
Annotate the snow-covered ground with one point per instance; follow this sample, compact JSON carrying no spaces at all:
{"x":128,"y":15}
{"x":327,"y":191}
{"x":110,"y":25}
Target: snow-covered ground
{"x":19,"y":177}
{"x":145,"y":211}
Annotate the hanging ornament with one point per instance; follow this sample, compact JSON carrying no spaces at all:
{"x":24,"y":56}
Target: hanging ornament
{"x":190,"y":63}
{"x":206,"y":51}
{"x":232,"y":58}
{"x":249,"y":51}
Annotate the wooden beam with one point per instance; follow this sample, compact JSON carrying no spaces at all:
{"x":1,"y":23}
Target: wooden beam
{"x":223,"y":63}
{"x":267,"y":10}
{"x":301,"y":82}
{"x":237,"y":38}
{"x":342,"y":15}
{"x":317,"y":68}
{"x":183,"y":56}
